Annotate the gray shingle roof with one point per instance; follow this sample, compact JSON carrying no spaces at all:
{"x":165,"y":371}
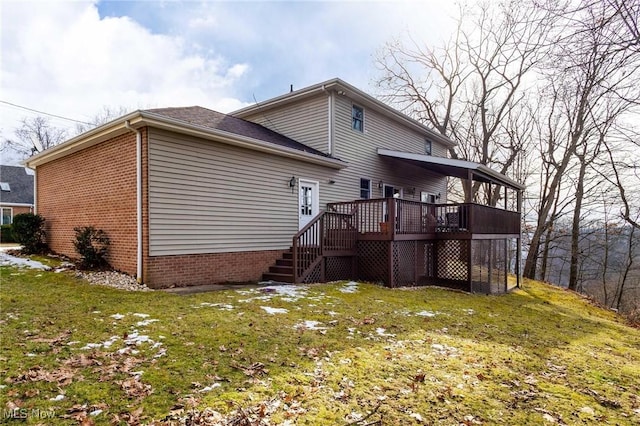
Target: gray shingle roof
{"x":215,"y":120}
{"x":20,"y":182}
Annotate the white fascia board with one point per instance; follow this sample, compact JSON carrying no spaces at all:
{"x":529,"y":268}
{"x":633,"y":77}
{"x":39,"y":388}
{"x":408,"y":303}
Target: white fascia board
{"x":142,"y":118}
{"x":82,"y":141}
{"x":470,"y":165}
{"x":15,"y":205}
{"x":161,"y":122}
{"x":353,"y":92}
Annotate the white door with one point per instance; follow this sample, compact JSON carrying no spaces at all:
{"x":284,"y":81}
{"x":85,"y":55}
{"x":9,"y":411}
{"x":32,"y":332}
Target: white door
{"x":308,"y":201}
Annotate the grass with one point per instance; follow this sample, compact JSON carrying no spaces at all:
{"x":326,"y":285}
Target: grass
{"x":376,"y":356}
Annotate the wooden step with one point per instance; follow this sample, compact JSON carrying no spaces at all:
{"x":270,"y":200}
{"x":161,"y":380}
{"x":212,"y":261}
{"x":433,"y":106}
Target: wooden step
{"x":287,"y":255}
{"x":284,"y":262}
{"x":281,"y":269}
{"x":283,"y":278}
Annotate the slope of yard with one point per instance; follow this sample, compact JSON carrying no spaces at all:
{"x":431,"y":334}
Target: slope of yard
{"x":341,"y":353}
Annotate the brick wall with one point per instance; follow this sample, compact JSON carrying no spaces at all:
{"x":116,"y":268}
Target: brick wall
{"x":93,"y":187}
{"x":199,"y":269}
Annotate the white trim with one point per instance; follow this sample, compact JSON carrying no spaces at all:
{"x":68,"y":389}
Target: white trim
{"x":143,"y":118}
{"x":357,"y":96}
{"x":2,"y":215}
{"x":442,"y":161}
{"x":315,"y":201}
{"x":331,"y":107}
{"x":2,"y":204}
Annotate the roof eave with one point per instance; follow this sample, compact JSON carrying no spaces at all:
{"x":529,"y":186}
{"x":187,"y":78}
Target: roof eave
{"x":353,"y":92}
{"x":144,"y":118}
{"x":162,"y":122}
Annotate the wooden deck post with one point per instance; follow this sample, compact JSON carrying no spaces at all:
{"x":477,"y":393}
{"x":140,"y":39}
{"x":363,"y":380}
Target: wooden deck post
{"x":519,"y":241}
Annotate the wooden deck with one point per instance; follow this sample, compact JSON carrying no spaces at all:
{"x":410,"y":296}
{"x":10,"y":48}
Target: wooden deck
{"x":401,"y":242}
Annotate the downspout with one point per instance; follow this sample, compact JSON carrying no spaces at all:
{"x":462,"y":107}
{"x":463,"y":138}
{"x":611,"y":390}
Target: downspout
{"x":138,"y":199}
{"x":34,"y":209}
{"x":330,"y":109}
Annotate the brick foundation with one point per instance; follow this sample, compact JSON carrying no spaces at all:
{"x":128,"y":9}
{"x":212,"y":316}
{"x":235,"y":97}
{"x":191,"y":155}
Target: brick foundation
{"x":200,"y":269}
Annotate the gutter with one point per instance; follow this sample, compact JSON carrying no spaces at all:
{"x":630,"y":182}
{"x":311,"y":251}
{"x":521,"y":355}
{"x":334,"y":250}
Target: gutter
{"x":127,"y":124}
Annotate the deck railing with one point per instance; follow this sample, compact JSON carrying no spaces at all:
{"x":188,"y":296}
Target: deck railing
{"x":330,"y":233}
{"x":391,"y":216}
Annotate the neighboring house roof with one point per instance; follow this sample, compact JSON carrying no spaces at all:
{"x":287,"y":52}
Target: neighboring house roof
{"x":19,"y":182}
{"x":344,"y":88}
{"x":193,"y":121}
{"x":217,"y":120}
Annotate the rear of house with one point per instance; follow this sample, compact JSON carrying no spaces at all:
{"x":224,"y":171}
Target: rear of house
{"x":190,"y":196}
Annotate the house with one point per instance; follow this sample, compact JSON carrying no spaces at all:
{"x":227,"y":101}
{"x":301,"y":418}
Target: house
{"x":321,"y":183}
{"x":16,"y":192}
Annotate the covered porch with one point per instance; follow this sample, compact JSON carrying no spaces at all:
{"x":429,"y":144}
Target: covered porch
{"x":468,"y":246}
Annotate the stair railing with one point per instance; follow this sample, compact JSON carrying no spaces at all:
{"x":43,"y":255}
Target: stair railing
{"x":331,"y":229}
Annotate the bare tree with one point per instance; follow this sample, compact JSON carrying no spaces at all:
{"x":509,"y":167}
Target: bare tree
{"x":34,"y":135}
{"x":472,"y":88}
{"x":106,"y":114}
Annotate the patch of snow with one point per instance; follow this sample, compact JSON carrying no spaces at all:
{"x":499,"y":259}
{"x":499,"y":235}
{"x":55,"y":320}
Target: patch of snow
{"x":350,"y":287}
{"x":136,"y":339}
{"x":31,"y":355}
{"x":95,"y":412}
{"x":428,"y":314}
{"x":332,"y":313}
{"x":216,"y":305}
{"x":117,"y":316}
{"x":309,"y":325}
{"x":8,"y":260}
{"x":59,"y":397}
{"x":141,"y":315}
{"x":416,"y":416}
{"x":73,"y":342}
{"x":92,"y":346}
{"x":382,"y":332}
{"x":146,"y":322}
{"x":273,"y":311}
{"x":210,"y":388}
{"x":110,"y":342}
{"x":469,"y":311}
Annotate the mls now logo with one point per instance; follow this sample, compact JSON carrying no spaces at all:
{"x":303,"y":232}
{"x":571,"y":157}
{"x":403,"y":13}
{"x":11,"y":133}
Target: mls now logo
{"x":24,"y":413}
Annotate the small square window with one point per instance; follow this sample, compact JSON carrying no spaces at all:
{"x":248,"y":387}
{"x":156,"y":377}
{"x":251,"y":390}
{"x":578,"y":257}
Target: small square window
{"x":427,"y":147}
{"x":357,"y":118}
{"x":365,"y":188}
{"x":4,"y":186}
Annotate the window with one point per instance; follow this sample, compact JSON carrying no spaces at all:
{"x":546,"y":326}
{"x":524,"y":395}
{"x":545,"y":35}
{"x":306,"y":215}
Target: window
{"x":365,"y":188}
{"x":427,"y":147}
{"x":425,"y":197}
{"x":4,"y":186}
{"x":7,"y":215}
{"x":357,"y":118}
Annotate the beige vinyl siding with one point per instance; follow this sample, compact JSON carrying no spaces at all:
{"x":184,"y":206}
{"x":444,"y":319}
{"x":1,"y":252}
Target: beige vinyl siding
{"x":360,"y":151}
{"x":305,"y":121}
{"x":209,"y":197}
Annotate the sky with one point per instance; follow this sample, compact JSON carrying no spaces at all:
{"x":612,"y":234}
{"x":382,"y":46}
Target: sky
{"x":73,"y":58}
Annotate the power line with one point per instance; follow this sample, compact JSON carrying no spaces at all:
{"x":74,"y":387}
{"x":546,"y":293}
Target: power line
{"x":45,"y":113}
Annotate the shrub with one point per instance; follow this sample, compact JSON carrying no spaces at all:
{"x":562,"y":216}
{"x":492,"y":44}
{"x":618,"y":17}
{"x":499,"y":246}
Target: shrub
{"x":92,"y":245}
{"x":28,"y":231}
{"x":6,"y":236}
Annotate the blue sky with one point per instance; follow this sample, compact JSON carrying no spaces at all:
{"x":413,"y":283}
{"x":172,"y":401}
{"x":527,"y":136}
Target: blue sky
{"x":72,"y":58}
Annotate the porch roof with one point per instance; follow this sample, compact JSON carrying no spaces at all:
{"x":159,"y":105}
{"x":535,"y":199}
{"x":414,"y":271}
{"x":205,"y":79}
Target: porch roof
{"x":455,"y":168}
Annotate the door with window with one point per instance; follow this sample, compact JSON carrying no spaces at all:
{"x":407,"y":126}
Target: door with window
{"x":308,"y":201}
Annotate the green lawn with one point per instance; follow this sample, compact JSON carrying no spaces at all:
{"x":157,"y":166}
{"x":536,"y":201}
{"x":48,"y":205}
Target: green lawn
{"x":539,"y":355}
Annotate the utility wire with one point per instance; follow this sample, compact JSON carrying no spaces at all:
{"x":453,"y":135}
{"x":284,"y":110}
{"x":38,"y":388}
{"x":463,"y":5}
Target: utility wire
{"x":45,"y":113}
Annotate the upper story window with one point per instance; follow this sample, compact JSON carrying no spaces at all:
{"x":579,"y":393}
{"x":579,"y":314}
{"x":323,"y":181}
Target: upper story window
{"x":4,"y":186}
{"x":357,"y":118}
{"x":427,"y":147}
{"x":365,"y":188}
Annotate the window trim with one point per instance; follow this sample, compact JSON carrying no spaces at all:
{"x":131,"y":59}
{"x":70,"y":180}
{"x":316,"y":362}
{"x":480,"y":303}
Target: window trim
{"x":2,"y":215}
{"x":428,"y":147}
{"x":353,"y":118}
{"x":427,"y":195}
{"x":368,"y":189}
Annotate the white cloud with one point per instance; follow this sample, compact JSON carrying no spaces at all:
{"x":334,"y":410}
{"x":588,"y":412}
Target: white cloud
{"x":63,"y":58}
